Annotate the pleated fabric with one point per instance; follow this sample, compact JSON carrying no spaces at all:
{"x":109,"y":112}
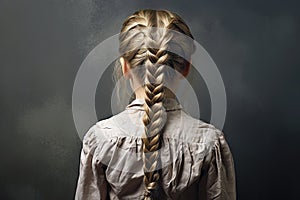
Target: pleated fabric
{"x":196,"y":160}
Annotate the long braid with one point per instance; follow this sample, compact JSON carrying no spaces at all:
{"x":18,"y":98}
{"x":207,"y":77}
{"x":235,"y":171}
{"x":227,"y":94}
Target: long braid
{"x":155,"y":114}
{"x":141,"y":44}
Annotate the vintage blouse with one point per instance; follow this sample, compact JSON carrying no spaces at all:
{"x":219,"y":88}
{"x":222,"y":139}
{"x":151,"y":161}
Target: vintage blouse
{"x":196,"y":160}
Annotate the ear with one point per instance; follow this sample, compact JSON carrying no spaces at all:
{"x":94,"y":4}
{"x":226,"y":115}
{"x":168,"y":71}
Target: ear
{"x":125,"y":67}
{"x":187,"y":69}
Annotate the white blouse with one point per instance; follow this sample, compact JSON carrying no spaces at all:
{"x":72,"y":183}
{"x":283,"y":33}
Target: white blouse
{"x":196,"y":161}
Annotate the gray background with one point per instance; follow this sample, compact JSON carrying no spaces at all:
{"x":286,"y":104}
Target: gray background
{"x":254,"y":43}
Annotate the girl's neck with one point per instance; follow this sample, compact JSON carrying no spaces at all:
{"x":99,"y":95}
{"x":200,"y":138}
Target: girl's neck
{"x":140,"y":93}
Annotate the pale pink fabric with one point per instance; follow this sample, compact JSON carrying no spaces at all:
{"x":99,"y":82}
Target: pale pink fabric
{"x":196,"y":159}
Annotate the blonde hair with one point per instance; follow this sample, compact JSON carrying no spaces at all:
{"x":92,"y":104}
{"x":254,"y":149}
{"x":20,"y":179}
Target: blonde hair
{"x":140,"y":45}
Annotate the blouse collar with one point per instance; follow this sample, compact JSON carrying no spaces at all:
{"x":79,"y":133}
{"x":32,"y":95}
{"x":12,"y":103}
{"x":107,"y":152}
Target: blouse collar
{"x":170,"y":104}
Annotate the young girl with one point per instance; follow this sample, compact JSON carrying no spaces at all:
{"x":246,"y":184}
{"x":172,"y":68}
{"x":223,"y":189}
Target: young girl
{"x":154,"y":149}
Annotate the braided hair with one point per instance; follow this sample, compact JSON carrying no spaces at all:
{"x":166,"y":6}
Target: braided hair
{"x":145,"y":39}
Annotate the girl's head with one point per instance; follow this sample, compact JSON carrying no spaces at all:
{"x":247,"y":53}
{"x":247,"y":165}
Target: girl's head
{"x":147,"y":35}
{"x":148,"y":41}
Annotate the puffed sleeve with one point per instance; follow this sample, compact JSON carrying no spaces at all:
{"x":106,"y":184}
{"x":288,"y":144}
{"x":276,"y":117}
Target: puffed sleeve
{"x":218,"y":181}
{"x":91,"y":182}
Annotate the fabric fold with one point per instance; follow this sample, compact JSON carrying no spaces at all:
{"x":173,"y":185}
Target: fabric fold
{"x":196,"y":161}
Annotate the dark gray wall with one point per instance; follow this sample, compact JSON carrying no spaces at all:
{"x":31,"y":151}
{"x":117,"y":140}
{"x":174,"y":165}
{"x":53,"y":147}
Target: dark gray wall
{"x":254,"y":43}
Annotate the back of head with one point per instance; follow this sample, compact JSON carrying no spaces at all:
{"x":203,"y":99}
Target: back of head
{"x":148,"y":41}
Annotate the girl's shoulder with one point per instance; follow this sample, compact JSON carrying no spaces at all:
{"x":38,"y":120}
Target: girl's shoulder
{"x":192,"y":130}
{"x":181,"y":127}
